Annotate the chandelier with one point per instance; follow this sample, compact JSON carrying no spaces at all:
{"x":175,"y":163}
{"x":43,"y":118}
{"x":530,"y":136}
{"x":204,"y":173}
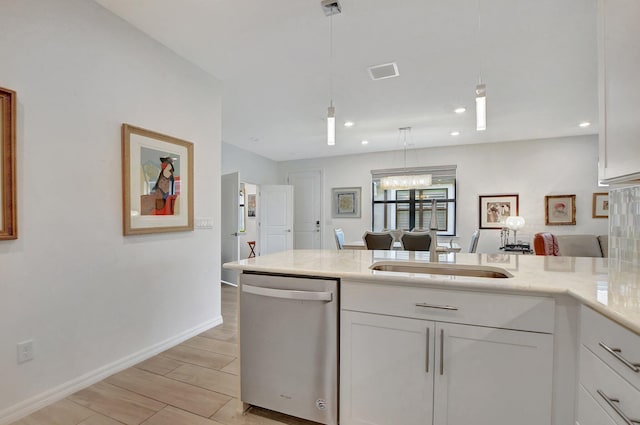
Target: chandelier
{"x":406,"y":180}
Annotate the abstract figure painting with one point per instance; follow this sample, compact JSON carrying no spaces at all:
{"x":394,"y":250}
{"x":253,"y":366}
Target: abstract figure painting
{"x":8,"y":206}
{"x":157,"y":182}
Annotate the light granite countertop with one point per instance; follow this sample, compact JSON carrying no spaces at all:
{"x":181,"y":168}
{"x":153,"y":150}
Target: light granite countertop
{"x":611,"y":289}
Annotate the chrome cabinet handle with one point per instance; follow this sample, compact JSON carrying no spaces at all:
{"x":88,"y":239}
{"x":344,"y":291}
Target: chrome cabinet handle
{"x":612,"y":402}
{"x":426,"y":367}
{"x":439,"y":307}
{"x":617,"y":353}
{"x":441,"y":351}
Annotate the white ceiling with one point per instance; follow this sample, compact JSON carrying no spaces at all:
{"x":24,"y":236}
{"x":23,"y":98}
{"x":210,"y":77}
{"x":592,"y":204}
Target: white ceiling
{"x":537,"y":57}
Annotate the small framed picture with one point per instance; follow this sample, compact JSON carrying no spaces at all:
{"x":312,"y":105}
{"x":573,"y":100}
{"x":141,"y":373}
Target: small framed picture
{"x":600,"y":205}
{"x":560,"y":210}
{"x":251,"y":205}
{"x":494,"y":210}
{"x":346,"y":202}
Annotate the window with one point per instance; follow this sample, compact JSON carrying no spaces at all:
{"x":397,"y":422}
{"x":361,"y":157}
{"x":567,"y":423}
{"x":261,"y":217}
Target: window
{"x":410,"y":209}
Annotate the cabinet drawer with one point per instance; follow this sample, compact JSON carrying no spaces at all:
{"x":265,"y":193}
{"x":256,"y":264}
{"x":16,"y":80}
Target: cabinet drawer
{"x":601,"y":336}
{"x":602,"y":382}
{"x":494,"y":310}
{"x":589,"y":411}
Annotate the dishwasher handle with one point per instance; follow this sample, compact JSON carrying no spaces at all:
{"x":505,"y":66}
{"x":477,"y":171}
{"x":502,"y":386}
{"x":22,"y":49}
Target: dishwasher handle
{"x":288,"y":294}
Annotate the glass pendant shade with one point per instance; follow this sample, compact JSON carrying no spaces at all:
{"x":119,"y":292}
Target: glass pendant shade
{"x":331,"y":126}
{"x":405,"y":182}
{"x":481,"y":107}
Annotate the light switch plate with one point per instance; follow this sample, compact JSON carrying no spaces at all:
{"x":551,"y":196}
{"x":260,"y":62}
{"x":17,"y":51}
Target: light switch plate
{"x":203,"y":223}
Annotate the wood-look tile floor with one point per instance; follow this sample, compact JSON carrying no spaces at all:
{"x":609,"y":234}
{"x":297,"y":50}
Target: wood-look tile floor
{"x":194,"y":383}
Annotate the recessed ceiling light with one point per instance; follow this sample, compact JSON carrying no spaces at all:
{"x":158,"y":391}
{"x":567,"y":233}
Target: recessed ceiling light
{"x":585,"y":124}
{"x":455,"y":133}
{"x":348,"y":123}
{"x":460,"y":110}
{"x":365,"y":142}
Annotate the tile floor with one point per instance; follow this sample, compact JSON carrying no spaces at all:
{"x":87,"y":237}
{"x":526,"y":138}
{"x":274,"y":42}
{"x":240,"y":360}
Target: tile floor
{"x":194,"y":383}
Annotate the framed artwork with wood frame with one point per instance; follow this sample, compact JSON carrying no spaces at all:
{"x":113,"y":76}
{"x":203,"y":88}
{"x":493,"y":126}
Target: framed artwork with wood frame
{"x":494,"y":210}
{"x":8,"y":192}
{"x":600,"y":208}
{"x":560,"y":210}
{"x":157,"y":182}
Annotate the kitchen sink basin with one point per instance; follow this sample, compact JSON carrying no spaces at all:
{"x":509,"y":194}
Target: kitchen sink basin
{"x":440,"y":268}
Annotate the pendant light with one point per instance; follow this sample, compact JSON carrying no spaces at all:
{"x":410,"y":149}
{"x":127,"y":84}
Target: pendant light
{"x":481,"y":107}
{"x":331,"y":7}
{"x":405,"y":181}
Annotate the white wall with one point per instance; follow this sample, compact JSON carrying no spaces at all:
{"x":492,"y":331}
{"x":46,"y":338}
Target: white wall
{"x":531,"y":169}
{"x":252,"y":167}
{"x":89,"y":297}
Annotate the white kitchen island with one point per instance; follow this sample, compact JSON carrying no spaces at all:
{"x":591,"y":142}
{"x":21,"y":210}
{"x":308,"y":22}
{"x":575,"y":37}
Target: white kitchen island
{"x":443,"y":349}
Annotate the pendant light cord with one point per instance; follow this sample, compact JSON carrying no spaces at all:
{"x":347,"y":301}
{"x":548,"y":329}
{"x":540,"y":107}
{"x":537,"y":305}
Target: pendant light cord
{"x":479,"y":46}
{"x":331,"y":57}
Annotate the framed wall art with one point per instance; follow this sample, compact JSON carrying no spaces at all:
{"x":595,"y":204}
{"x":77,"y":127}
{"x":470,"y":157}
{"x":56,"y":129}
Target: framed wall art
{"x":345,"y":202}
{"x":157,"y":177}
{"x":494,"y":210}
{"x":559,"y":210}
{"x":600,"y":208}
{"x":251,"y":205}
{"x":8,"y":192}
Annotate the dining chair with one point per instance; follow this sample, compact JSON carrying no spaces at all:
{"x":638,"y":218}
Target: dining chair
{"x":545,"y":243}
{"x":339,"y":234}
{"x":377,"y":240}
{"x":474,"y":241}
{"x":415,"y":241}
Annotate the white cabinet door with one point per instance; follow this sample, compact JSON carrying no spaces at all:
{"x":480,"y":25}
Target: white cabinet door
{"x":488,"y":376}
{"x":619,"y":61}
{"x":386,"y":370}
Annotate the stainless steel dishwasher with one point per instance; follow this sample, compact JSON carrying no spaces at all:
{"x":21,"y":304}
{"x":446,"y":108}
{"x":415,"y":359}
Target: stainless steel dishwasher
{"x":289,"y":345}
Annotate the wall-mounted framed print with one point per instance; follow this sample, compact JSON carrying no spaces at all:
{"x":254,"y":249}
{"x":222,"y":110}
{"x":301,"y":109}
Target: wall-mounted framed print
{"x":8,"y":191}
{"x":494,"y":210}
{"x":345,"y":202}
{"x":157,"y":179}
{"x":600,"y":208}
{"x":559,"y":210}
{"x":251,"y":205}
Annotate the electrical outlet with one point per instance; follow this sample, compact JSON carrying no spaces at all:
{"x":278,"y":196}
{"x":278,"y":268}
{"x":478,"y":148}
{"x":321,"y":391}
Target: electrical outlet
{"x":25,"y":351}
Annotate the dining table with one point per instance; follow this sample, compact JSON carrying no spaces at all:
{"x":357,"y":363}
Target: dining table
{"x":442,"y":246}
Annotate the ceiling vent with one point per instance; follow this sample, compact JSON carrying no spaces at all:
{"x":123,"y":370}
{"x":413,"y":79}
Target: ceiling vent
{"x":380,"y":72}
{"x":331,"y":7}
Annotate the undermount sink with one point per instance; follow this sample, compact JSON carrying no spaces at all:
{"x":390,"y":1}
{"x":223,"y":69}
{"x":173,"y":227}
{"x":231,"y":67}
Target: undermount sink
{"x":440,"y":268}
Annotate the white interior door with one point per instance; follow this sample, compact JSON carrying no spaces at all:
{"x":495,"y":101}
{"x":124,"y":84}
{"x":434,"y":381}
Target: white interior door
{"x":276,"y":218}
{"x":230,"y":250}
{"x":307,"y":208}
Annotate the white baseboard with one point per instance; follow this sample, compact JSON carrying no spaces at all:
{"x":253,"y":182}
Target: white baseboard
{"x":37,"y":402}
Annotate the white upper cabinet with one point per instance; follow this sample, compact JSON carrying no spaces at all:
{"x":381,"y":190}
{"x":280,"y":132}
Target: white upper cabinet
{"x":619,"y":88}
